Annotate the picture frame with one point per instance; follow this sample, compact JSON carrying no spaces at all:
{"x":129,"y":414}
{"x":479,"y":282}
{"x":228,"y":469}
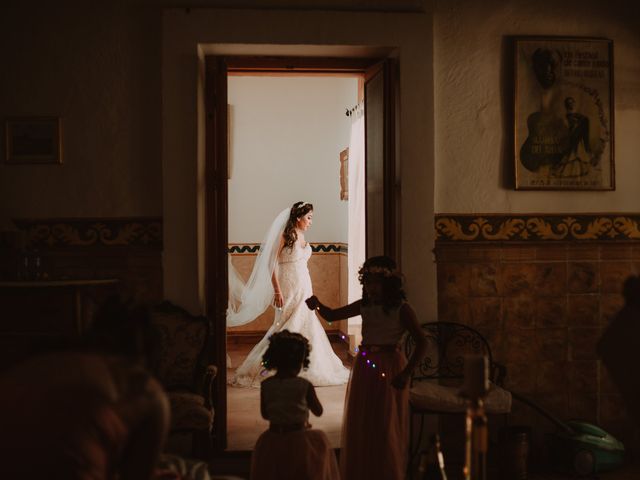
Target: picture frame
{"x":33,"y":140}
{"x":344,"y":174}
{"x":563,"y":114}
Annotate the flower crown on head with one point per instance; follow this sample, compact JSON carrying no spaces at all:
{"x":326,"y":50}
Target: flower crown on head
{"x":377,"y":270}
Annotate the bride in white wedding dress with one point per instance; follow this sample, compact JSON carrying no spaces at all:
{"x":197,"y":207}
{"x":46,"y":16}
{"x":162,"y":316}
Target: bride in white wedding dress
{"x":281,"y":276}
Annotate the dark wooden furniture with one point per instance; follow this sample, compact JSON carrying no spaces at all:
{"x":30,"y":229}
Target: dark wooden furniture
{"x":182,"y":344}
{"x":37,"y":315}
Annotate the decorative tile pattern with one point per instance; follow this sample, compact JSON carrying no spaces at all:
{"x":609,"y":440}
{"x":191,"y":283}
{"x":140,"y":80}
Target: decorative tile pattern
{"x":253,"y":248}
{"x":240,"y":249}
{"x":543,"y":307}
{"x":83,"y":232}
{"x":536,"y":228}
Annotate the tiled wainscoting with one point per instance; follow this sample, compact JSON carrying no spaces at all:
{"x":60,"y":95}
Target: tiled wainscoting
{"x":328,"y":269}
{"x":542,"y":289}
{"x":129,"y":249}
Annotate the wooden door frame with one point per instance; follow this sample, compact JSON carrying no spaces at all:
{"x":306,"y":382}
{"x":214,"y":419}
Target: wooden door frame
{"x":217,"y":70}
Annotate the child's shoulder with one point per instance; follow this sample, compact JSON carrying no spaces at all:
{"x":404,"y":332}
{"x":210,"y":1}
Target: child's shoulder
{"x":304,"y":381}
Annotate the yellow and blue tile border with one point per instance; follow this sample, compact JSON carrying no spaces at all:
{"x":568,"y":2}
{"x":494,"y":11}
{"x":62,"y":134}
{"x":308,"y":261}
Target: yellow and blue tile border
{"x":253,"y":248}
{"x":608,"y":227}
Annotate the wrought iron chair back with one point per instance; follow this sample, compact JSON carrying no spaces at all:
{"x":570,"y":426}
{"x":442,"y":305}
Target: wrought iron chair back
{"x":447,"y":345}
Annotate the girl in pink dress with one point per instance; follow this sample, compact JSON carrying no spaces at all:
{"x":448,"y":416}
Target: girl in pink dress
{"x":290,"y":448}
{"x":375,"y":431}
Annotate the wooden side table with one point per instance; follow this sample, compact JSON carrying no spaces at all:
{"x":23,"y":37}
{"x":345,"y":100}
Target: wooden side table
{"x":41,"y":314}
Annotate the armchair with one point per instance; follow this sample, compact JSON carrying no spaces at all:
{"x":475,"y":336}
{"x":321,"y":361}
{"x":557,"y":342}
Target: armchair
{"x":181,"y":345}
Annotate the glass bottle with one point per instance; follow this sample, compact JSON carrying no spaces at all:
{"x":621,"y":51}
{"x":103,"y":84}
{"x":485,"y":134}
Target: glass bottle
{"x":475,"y":388}
{"x":432,"y":461}
{"x":476,"y":441}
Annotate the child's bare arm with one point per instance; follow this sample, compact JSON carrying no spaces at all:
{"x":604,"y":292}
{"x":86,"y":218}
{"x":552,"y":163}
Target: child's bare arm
{"x":410,"y":322}
{"x":334,"y":314}
{"x":313,"y":402}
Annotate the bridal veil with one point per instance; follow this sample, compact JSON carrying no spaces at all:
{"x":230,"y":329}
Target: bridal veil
{"x":248,"y":301}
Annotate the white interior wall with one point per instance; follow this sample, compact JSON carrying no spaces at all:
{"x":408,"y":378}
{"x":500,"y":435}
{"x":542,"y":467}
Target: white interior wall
{"x":285,"y":141}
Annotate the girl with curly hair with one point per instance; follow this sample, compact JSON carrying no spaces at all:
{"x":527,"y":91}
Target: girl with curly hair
{"x":290,"y":448}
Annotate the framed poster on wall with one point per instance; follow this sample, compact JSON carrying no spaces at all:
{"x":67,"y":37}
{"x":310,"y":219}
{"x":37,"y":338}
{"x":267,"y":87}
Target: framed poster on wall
{"x":563,"y":113}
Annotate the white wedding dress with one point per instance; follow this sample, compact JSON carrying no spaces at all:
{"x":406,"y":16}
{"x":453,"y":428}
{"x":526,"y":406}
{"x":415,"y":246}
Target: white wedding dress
{"x":325,"y":368}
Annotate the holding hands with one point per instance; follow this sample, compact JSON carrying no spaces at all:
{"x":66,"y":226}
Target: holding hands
{"x":312,"y":302}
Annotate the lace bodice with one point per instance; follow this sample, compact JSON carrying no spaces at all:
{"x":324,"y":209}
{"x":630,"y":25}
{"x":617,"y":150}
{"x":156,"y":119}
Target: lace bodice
{"x":295,"y":254}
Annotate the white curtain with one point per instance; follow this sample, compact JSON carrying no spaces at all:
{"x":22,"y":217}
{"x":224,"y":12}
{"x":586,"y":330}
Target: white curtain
{"x":357,"y":238}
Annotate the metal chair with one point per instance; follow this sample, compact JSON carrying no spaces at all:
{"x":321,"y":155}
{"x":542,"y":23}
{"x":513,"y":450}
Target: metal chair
{"x":437,"y":378}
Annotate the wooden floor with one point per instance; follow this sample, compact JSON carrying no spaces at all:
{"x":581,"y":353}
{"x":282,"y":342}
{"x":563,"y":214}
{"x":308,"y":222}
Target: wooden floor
{"x":244,"y":423}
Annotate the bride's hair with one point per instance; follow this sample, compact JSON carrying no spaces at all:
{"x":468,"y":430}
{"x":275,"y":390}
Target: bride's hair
{"x":299,"y":209}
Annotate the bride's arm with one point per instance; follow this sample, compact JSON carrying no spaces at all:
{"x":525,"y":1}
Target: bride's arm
{"x":278,"y":299}
{"x":334,"y":314}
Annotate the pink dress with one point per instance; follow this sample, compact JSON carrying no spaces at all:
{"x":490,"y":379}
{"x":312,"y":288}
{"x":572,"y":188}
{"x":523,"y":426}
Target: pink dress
{"x":375,"y":431}
{"x":290,"y":450}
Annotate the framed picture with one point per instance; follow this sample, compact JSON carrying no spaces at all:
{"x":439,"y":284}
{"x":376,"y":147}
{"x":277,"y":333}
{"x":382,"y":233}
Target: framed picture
{"x":33,"y":140}
{"x":563,"y":113}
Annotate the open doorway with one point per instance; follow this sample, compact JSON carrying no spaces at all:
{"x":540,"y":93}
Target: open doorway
{"x":381,"y":187}
{"x":290,"y":136}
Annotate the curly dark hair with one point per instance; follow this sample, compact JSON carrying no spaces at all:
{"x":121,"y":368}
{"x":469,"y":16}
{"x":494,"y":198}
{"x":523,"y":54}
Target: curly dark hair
{"x":298,"y":210}
{"x":383,"y":268}
{"x":287,"y":350}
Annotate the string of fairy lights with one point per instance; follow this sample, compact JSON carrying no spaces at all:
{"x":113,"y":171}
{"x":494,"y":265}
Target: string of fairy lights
{"x":359,"y":351}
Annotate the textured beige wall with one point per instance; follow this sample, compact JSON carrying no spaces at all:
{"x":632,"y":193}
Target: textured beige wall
{"x":97,"y":67}
{"x":471,"y":108}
